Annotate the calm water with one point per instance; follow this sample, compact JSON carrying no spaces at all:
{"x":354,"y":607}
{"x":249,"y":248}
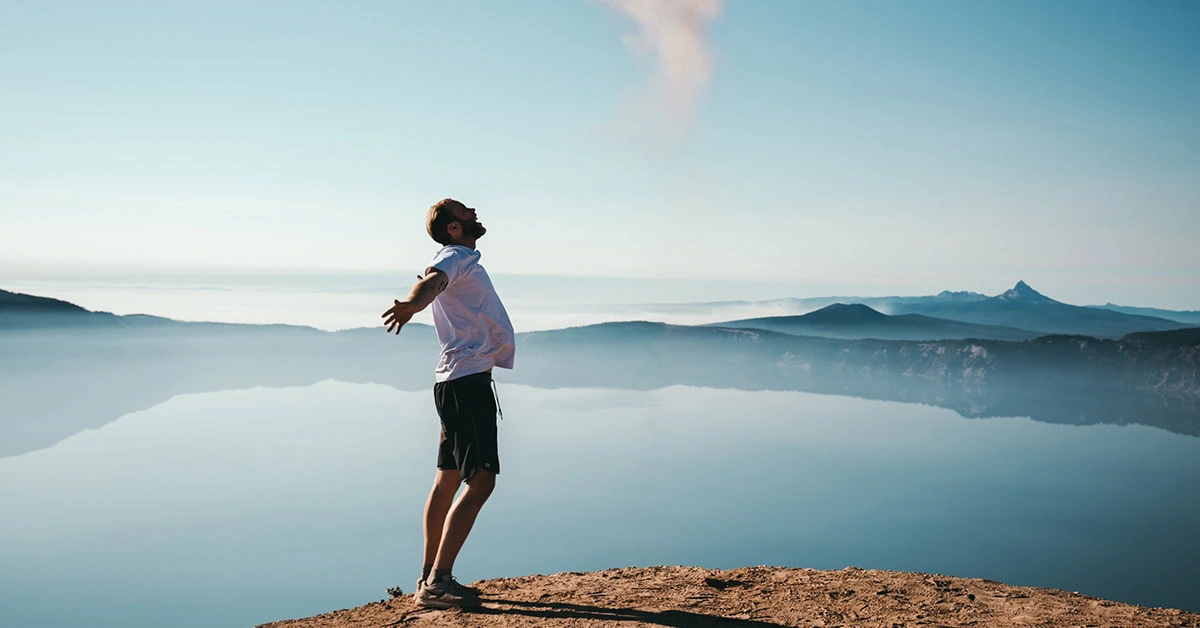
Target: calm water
{"x":247,"y":506}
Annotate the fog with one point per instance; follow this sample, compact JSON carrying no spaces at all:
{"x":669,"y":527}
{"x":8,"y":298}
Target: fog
{"x":57,"y":382}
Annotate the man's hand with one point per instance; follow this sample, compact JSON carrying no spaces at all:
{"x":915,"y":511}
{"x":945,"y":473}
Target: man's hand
{"x":398,"y":315}
{"x":427,"y":288}
{"x":424,"y":292}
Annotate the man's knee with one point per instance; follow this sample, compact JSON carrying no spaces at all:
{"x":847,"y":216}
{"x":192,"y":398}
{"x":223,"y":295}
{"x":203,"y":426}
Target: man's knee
{"x":447,"y":480}
{"x":481,"y":484}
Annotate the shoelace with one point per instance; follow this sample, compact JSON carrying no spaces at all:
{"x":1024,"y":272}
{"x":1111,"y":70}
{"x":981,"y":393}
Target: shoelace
{"x":455,"y":586}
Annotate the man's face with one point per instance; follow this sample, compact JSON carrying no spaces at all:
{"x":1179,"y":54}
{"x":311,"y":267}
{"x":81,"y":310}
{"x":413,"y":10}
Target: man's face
{"x":471,"y":227}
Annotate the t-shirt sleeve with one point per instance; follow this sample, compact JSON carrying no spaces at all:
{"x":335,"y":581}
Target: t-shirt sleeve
{"x":449,"y":261}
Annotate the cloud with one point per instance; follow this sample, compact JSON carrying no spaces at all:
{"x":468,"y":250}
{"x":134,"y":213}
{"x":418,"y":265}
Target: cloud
{"x":674,"y":32}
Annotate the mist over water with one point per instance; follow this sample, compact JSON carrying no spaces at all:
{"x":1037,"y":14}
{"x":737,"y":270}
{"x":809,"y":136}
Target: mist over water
{"x":333,"y":301}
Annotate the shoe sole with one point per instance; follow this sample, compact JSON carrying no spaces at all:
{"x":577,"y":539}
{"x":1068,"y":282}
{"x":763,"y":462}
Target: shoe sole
{"x":436,"y":603}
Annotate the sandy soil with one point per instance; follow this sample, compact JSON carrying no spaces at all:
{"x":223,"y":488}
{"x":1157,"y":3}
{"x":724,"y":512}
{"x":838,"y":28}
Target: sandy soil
{"x":754,"y":597}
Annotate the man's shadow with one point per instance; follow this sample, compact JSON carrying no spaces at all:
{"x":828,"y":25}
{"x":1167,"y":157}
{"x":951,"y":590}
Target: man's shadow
{"x":672,"y":618}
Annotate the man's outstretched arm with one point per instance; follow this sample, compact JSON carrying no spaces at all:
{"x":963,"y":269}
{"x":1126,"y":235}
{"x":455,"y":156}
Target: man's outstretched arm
{"x":422,"y":294}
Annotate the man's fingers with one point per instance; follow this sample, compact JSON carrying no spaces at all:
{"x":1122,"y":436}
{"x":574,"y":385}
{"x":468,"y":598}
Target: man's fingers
{"x":394,"y":307}
{"x":394,"y":319}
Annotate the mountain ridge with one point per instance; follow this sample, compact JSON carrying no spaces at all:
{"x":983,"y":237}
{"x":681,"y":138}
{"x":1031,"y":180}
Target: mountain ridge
{"x":1022,"y":310}
{"x":856,"y":320}
{"x":1025,"y":308}
{"x":1190,"y":317}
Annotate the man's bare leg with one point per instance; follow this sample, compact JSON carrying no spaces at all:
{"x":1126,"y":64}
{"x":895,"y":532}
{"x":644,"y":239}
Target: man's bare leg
{"x":441,"y":496}
{"x":462,"y":517}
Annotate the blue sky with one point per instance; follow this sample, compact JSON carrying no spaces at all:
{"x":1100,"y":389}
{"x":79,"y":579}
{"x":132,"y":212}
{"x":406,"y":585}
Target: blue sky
{"x":848,"y":146}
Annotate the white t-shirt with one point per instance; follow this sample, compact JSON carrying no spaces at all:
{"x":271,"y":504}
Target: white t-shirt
{"x":471,"y":322}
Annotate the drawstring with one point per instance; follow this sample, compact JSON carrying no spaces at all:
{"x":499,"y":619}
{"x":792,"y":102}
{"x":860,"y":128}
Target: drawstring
{"x":497,"y":396}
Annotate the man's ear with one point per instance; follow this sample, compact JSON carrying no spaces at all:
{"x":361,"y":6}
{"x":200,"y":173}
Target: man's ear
{"x":454,"y":229}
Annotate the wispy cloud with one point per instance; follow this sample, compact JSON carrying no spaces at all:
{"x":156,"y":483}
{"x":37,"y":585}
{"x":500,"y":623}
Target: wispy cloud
{"x":675,"y":33}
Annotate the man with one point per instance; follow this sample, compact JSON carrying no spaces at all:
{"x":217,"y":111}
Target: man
{"x":476,"y":336}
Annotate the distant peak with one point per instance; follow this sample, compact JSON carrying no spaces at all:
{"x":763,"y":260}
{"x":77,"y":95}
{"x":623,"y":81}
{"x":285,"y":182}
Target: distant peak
{"x":844,"y":312}
{"x":849,"y":307}
{"x":1022,"y":292}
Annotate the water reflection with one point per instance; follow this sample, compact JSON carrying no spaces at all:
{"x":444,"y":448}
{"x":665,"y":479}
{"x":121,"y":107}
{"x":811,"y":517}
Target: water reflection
{"x":57,"y":384}
{"x":286,"y":502}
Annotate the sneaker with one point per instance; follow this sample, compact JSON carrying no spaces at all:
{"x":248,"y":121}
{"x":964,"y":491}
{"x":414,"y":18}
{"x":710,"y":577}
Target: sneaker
{"x":468,"y":588}
{"x":447,"y":593}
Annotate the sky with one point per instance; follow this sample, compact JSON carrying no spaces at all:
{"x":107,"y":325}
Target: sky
{"x":849,"y":147}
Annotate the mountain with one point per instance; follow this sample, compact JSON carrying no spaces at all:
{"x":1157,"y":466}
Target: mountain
{"x":687,"y":353}
{"x":1190,"y":317}
{"x":1025,"y":308}
{"x":1186,"y":336}
{"x":855,"y":320}
{"x":27,"y":311}
{"x":17,"y":302}
{"x":788,"y":305}
{"x":1048,"y":378}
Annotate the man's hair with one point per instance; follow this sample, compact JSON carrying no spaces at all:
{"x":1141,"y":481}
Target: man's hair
{"x":440,"y":216}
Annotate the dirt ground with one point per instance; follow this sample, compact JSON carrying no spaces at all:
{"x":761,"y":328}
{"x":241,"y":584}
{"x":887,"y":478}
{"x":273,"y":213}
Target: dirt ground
{"x":754,"y":597}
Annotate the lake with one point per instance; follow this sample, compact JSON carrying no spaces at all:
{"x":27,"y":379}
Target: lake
{"x":239,"y":507}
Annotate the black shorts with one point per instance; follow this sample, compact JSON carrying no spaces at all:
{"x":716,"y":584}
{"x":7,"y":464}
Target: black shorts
{"x":467,"y":408}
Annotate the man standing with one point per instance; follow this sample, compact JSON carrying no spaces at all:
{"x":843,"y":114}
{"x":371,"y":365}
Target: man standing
{"x":476,"y":335}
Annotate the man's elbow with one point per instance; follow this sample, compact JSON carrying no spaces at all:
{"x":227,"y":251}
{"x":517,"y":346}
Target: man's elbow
{"x":435,"y":280}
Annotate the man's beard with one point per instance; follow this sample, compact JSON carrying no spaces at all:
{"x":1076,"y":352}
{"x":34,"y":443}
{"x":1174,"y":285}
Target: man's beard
{"x":474,"y":229}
